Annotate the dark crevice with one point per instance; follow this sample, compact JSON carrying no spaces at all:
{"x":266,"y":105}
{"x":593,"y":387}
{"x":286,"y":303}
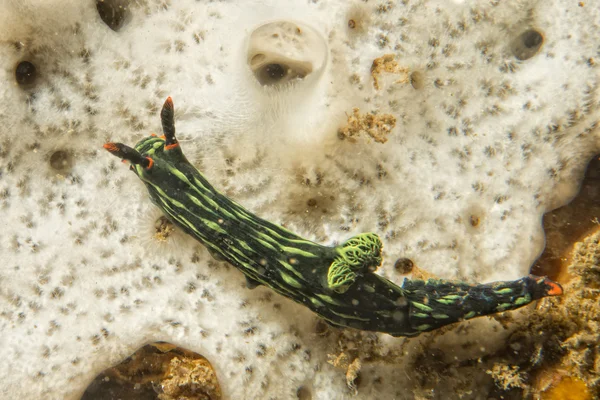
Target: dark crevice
{"x":566,"y":225}
{"x":527,"y":44}
{"x":114,"y":13}
{"x":25,"y":73}
{"x":61,"y":161}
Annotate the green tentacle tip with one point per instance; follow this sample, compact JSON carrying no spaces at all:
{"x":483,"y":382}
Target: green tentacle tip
{"x":358,"y":255}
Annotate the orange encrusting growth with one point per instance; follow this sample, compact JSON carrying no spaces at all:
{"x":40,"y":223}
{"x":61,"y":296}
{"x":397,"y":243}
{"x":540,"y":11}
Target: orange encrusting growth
{"x":569,"y":388}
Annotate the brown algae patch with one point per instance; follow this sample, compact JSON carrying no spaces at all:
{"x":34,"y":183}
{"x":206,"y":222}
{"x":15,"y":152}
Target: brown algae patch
{"x":160,"y":371}
{"x":377,"y":126}
{"x":352,"y":367}
{"x":164,"y":228}
{"x":388,"y":64}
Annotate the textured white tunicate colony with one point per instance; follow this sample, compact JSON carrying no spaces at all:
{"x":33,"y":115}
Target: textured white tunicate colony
{"x":484,"y":143}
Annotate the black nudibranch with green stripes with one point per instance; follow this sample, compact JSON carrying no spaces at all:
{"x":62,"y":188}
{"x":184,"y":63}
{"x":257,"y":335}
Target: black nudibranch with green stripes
{"x":338,"y":283}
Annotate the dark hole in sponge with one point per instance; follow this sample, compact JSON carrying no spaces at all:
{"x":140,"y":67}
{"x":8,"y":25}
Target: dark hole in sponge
{"x":113,"y":12}
{"x":404,"y":265}
{"x":304,"y":393}
{"x":275,"y":71}
{"x":528,"y":44}
{"x":25,"y":73}
{"x":61,"y":160}
{"x":532,"y":39}
{"x":416,"y":80}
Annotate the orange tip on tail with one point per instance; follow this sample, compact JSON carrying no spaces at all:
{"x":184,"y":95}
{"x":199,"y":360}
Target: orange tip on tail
{"x":554,"y":289}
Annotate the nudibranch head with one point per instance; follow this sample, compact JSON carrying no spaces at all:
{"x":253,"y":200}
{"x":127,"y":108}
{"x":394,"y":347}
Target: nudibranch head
{"x":154,"y":157}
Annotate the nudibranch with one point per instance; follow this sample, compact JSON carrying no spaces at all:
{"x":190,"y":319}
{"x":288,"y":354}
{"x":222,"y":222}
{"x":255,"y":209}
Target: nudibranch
{"x":338,"y":283}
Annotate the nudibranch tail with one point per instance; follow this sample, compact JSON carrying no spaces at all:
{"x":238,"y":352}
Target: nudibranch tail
{"x":435,"y":303}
